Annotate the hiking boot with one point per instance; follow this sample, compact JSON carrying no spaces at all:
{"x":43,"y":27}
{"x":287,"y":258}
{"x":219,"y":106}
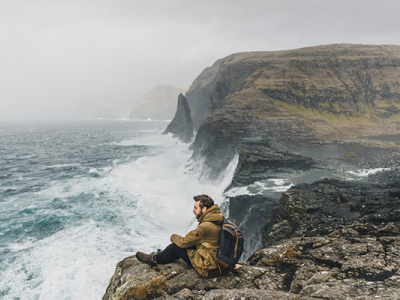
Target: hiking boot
{"x":146,"y":258}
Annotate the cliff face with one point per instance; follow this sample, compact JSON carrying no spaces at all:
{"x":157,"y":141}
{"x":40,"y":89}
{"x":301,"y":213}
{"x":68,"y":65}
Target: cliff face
{"x":199,"y":92}
{"x":310,"y":96}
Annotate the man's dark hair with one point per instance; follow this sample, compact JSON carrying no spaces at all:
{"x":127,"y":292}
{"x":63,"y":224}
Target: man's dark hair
{"x":204,"y":201}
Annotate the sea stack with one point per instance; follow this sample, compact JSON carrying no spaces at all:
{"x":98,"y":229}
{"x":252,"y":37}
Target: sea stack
{"x":181,"y":125}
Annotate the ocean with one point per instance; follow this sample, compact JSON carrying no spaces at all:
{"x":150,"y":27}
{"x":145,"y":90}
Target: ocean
{"x":77,"y":197}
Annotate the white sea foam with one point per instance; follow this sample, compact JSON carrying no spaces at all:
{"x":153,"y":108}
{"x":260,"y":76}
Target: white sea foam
{"x":261,"y":187}
{"x":16,"y":247}
{"x":203,"y":173}
{"x":366,"y":172}
{"x":61,"y":166}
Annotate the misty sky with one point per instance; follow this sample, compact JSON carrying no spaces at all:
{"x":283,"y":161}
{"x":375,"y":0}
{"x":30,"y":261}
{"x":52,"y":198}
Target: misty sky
{"x":61,"y":59}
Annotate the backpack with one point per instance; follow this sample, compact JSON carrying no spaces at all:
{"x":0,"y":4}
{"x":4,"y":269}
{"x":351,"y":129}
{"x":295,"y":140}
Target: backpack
{"x":231,"y":244}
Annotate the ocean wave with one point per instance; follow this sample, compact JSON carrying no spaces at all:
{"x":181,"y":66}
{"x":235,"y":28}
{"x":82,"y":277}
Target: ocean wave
{"x":264,"y":187}
{"x":366,"y":172}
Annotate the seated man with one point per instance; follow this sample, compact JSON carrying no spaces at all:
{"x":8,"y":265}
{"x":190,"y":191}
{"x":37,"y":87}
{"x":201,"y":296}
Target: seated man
{"x":199,"y":247}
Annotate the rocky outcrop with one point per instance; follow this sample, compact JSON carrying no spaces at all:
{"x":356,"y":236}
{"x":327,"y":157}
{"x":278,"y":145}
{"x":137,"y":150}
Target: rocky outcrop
{"x":134,"y":280}
{"x":327,"y":240}
{"x":330,"y":205}
{"x":343,"y":238}
{"x":182,"y":125}
{"x":158,"y":104}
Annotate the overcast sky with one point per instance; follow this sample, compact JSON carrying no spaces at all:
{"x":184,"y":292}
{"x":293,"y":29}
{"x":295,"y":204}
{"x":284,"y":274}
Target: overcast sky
{"x":67,"y":58}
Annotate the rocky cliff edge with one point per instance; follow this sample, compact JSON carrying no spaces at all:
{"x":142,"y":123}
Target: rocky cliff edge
{"x":327,"y":240}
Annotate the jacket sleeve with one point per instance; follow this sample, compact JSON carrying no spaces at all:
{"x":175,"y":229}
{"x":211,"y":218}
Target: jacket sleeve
{"x":191,"y":239}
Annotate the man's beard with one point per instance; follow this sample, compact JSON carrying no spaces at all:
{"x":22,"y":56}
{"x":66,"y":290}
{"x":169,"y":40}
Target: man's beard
{"x":199,"y":215}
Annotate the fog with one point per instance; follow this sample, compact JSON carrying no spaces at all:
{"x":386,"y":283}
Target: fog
{"x":67,"y":59}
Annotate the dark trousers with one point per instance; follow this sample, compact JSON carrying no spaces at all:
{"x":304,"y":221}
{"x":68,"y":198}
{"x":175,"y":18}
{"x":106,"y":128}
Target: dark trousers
{"x":171,"y":253}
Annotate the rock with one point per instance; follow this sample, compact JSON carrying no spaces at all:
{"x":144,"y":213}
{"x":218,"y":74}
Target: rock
{"x":250,"y":213}
{"x":262,"y":158}
{"x":237,"y":294}
{"x":181,"y":125}
{"x":342,"y":241}
{"x":333,"y":268}
{"x":299,"y":268}
{"x":178,"y":280}
{"x":329,"y":205}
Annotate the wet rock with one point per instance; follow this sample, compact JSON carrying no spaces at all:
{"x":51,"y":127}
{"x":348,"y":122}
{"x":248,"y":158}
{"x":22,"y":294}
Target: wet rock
{"x":329,"y":205}
{"x":250,"y":213}
{"x":261,"y":158}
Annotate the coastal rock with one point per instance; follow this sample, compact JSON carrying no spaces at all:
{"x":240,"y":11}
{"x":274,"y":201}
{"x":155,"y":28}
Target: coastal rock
{"x":250,"y":213}
{"x":181,"y":125}
{"x":330,"y":205}
{"x":332,"y":267}
{"x":326,"y":251}
{"x":336,"y":266}
{"x":134,"y":280}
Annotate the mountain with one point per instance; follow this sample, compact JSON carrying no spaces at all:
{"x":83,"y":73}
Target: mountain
{"x":159,"y":103}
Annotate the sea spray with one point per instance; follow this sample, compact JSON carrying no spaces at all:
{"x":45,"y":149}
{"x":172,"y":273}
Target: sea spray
{"x":97,"y":192}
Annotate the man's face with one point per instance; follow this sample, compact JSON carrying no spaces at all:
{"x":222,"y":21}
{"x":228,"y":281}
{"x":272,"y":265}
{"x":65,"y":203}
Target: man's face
{"x":197,"y":210}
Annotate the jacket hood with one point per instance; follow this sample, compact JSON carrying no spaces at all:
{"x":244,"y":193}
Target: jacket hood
{"x":212,"y":214}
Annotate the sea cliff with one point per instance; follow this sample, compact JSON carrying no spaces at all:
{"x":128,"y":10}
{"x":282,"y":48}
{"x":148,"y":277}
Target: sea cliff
{"x":304,"y":116}
{"x":278,"y":101}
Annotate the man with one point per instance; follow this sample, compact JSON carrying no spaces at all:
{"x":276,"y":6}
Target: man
{"x":199,"y":247}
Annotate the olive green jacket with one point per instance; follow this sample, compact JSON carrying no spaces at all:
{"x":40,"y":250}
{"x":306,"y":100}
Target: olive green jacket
{"x":205,"y":239}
